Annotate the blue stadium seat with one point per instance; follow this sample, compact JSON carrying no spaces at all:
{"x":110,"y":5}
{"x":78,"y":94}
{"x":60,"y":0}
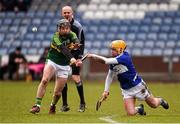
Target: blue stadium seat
{"x":29,"y":36}
{"x":40,"y":51}
{"x":93,"y":29}
{"x":88,"y":44}
{"x":173,"y":36}
{"x":85,"y":22}
{"x":40,"y":14}
{"x":39,"y":36}
{"x":165,"y":28}
{"x":160,"y":14}
{"x":46,"y":21}
{"x":36,"y":21}
{"x":155,"y":28}
{"x":141,"y":36}
{"x":177,"y":13}
{"x":177,"y":21}
{"x":9,"y":36}
{"x":43,"y":28}
{"x":103,"y":29}
{"x":138,"y":44}
{"x":2,"y":15}
{"x":171,"y":44}
{"x":113,"y":29}
{"x":146,"y":52}
{"x":106,"y":22}
{"x":4,"y":28}
{"x":167,"y":21}
{"x":178,"y":44}
{"x":144,"y":28}
{"x":16,"y":43}
{"x":160,"y":44}
{"x":104,"y":52}
{"x":16,"y":21}
{"x":131,"y":37}
{"x":96,"y":22}
{"x":48,"y":36}
{"x":156,"y":52}
{"x":1,"y":21}
{"x":175,"y":28}
{"x":100,"y":36}
{"x":157,"y":21}
{"x":3,"y":51}
{"x":2,"y":37}
{"x":26,"y":21}
{"x":121,"y":36}
{"x":177,"y":51}
{"x":146,"y":21}
{"x":94,"y":50}
{"x":13,"y":29}
{"x":149,"y":44}
{"x":123,"y":29}
{"x":7,"y":21}
{"x":45,"y":43}
{"x":6,"y":44}
{"x":24,"y":51}
{"x":168,"y":52}
{"x":110,"y":37}
{"x":10,"y":14}
{"x":150,"y":14}
{"x":116,"y":22}
{"x":130,"y":44}
{"x":90,"y":36}
{"x":152,"y":36}
{"x":52,"y":28}
{"x":170,"y":14}
{"x":30,"y":14}
{"x":20,"y":14}
{"x":97,"y":44}
{"x":133,"y":28}
{"x":163,"y":36}
{"x":136,"y":51}
{"x":32,"y":51}
{"x":36,"y":44}
{"x":26,"y":44}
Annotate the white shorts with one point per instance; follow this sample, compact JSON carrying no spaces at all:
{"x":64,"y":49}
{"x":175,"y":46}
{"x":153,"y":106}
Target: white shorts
{"x":140,"y":92}
{"x":60,"y":70}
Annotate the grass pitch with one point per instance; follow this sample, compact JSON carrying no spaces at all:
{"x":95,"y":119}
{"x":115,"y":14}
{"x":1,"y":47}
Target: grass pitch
{"x":16,"y":98}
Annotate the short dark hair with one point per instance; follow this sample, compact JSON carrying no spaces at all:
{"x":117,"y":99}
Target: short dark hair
{"x":18,"y":48}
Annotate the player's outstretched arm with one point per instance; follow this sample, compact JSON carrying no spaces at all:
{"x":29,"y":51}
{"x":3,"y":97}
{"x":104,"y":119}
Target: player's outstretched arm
{"x":103,"y":59}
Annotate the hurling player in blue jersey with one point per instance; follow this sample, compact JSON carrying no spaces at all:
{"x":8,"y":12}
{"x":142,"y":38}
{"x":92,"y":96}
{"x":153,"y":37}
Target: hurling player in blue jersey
{"x":132,"y":85}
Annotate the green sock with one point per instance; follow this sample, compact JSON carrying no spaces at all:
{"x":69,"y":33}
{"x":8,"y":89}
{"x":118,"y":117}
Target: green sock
{"x":38,"y":101}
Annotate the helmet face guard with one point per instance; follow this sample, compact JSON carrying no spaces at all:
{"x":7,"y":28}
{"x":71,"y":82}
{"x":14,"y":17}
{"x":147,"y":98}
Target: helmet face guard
{"x":118,"y":45}
{"x":63,"y":23}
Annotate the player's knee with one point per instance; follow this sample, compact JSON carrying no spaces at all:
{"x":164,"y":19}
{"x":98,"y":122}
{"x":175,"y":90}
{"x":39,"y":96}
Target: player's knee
{"x":44,"y":81}
{"x":131,"y":112}
{"x":57,"y":93}
{"x":76,"y":78}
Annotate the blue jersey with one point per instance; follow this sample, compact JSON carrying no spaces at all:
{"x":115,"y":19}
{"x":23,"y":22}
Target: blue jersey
{"x":125,"y":71}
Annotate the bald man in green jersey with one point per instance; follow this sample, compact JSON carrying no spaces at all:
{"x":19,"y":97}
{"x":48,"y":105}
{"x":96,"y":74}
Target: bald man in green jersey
{"x":58,"y":60}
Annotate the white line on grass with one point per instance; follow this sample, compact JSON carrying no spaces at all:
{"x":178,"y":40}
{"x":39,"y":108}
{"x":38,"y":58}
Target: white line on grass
{"x":109,"y":119}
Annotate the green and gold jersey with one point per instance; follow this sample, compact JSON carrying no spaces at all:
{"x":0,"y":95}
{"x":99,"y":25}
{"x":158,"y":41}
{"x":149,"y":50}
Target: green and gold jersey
{"x":54,"y":53}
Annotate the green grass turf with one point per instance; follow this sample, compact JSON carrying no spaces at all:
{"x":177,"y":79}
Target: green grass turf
{"x":16,"y":98}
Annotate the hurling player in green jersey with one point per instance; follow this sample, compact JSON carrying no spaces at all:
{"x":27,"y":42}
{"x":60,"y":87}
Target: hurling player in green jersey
{"x":58,"y":60}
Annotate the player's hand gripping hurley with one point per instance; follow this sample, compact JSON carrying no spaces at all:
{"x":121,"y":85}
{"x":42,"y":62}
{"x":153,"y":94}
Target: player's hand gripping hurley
{"x":103,"y":98}
{"x":84,"y":57}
